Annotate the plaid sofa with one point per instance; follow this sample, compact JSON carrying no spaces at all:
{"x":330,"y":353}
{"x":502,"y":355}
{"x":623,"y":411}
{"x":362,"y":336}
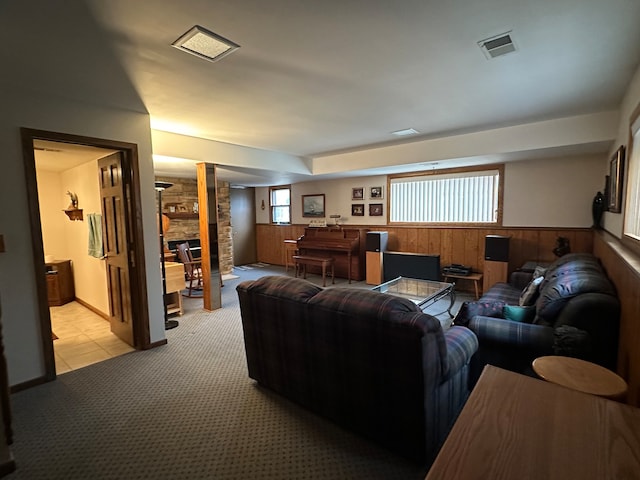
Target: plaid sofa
{"x":577,"y":314}
{"x":368,"y":361}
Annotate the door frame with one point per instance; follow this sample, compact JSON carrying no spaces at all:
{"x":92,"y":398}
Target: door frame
{"x":137,"y":270}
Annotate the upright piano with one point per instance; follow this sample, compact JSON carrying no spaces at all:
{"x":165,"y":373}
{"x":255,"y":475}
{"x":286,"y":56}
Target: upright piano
{"x":347,"y":247}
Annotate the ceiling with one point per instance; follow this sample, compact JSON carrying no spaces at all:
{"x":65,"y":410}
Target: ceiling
{"x":315,"y":78}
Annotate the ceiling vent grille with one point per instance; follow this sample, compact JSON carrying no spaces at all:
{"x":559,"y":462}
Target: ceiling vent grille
{"x":497,"y":46}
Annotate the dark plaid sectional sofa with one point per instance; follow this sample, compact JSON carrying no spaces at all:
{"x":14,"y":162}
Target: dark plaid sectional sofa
{"x":370,"y":362}
{"x":576,"y":313}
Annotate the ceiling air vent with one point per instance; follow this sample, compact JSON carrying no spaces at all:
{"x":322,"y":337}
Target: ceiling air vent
{"x":497,"y":46}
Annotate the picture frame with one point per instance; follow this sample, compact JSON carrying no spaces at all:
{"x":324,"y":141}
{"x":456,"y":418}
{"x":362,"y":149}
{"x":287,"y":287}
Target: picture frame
{"x":357,"y":210}
{"x":375,"y":209}
{"x":357,"y":193}
{"x":375,"y":192}
{"x":313,"y":205}
{"x":616,"y":175}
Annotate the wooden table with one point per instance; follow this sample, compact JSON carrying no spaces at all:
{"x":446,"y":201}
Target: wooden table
{"x":476,"y":277}
{"x":580,"y":375}
{"x":514,"y":426}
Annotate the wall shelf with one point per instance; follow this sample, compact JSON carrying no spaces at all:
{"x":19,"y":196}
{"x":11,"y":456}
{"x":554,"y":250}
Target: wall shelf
{"x":74,"y":214}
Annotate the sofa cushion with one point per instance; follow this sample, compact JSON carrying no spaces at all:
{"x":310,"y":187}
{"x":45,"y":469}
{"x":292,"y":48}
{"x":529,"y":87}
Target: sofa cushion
{"x":517,"y":313}
{"x":502,"y":292}
{"x":565,"y":284}
{"x":468,"y":310}
{"x":530,"y":294}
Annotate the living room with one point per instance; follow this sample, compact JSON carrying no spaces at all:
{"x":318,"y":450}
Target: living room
{"x":564,"y":152}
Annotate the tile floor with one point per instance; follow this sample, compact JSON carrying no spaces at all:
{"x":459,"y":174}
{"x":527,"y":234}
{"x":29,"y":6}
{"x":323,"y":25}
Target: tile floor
{"x":83,"y":338}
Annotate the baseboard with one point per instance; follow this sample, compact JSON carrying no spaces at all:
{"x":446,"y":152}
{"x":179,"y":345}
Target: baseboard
{"x":18,"y":387}
{"x":92,"y":308}
{"x":154,"y":344}
{"x":7,"y":467}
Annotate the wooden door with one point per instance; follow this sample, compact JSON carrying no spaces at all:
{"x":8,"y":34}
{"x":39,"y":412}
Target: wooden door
{"x":115,"y":235}
{"x":243,"y":226}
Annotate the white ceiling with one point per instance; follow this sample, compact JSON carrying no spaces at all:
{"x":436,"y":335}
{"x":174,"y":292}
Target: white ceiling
{"x":316,"y":77}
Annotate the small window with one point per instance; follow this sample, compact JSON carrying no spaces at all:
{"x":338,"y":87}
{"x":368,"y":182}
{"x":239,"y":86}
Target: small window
{"x":632,"y":210}
{"x":460,"y":196}
{"x":280,"y":203}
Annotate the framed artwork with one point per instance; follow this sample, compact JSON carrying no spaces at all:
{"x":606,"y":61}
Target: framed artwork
{"x":616,"y":174}
{"x":357,"y":193}
{"x":313,"y":205}
{"x":375,"y":192}
{"x":357,"y":210}
{"x":375,"y":209}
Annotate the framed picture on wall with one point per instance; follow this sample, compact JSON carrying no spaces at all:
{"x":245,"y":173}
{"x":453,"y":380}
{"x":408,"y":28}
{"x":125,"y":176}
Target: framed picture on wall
{"x":375,"y":209}
{"x":357,"y":193}
{"x":375,"y":192}
{"x":616,"y":174}
{"x":357,"y":210}
{"x":313,"y":205}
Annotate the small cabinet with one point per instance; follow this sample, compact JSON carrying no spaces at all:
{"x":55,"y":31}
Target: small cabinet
{"x":60,"y":287}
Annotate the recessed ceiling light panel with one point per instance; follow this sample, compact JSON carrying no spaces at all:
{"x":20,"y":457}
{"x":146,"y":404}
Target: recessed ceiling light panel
{"x":406,"y":131}
{"x":205,"y":44}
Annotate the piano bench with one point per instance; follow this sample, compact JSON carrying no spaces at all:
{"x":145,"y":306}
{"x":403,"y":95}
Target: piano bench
{"x":323,"y":262}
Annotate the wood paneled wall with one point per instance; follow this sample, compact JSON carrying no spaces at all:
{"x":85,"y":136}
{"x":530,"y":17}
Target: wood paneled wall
{"x":466,"y":246}
{"x":455,"y":245}
{"x":623,"y":268}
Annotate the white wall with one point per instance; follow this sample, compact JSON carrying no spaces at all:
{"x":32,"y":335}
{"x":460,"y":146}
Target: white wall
{"x":613,"y":221}
{"x":555,"y":192}
{"x":51,"y":201}
{"x":90,"y":273}
{"x":17,"y":269}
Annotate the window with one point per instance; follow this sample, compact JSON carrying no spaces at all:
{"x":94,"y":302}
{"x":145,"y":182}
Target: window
{"x":280,"y":203}
{"x":632,"y":210}
{"x":447,"y":196}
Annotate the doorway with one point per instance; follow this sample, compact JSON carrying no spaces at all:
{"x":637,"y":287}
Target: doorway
{"x":131,"y":279}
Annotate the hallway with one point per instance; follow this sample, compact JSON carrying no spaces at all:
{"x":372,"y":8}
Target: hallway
{"x":84,"y":338}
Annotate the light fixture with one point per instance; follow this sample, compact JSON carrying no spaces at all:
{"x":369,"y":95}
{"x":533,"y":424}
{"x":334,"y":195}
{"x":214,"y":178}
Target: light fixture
{"x":406,"y":131}
{"x":168,"y":324}
{"x":205,"y":44}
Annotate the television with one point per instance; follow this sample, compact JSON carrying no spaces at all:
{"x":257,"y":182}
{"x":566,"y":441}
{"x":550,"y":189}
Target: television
{"x":411,"y":265}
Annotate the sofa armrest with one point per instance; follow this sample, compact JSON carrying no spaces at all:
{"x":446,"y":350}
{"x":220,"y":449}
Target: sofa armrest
{"x":508,"y":332}
{"x":461,"y":345}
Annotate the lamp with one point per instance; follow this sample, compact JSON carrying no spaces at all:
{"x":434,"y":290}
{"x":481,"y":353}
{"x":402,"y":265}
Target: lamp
{"x":168,"y":324}
{"x":335,"y":217}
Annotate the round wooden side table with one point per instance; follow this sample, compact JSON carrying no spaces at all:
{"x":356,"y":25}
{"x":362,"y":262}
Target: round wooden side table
{"x":580,"y":375}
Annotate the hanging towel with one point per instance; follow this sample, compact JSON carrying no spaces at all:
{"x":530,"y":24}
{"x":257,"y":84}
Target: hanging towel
{"x":95,"y":235}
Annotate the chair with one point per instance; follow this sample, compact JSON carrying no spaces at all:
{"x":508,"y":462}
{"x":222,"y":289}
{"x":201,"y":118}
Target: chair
{"x":192,"y":268}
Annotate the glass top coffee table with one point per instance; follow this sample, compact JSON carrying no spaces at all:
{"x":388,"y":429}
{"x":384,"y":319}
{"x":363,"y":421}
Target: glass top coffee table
{"x":423,"y":293}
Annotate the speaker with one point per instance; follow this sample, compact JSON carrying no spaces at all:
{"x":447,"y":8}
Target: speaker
{"x":496,"y":248}
{"x":376,"y":241}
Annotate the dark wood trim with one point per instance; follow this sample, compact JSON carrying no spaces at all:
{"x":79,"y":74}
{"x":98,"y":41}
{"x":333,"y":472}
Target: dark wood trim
{"x":159,"y":343}
{"x":46,"y":343}
{"x":138,"y":282}
{"x":7,"y":467}
{"x":92,"y":308}
{"x":34,"y":382}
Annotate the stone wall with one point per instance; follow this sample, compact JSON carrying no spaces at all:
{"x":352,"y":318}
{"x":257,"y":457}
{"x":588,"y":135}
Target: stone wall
{"x":178,"y":204}
{"x":225,"y":237}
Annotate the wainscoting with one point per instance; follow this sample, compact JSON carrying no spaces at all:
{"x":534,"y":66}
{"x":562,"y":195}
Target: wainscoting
{"x":455,"y":245}
{"x":623,"y":267}
{"x":466,"y":246}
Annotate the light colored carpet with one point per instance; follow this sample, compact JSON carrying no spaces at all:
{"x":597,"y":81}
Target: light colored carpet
{"x":186,"y":410}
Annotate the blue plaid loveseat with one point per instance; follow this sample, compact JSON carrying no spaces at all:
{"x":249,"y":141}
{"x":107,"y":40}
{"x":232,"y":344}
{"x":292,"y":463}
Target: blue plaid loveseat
{"x":368,"y":361}
{"x":576,"y":314}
